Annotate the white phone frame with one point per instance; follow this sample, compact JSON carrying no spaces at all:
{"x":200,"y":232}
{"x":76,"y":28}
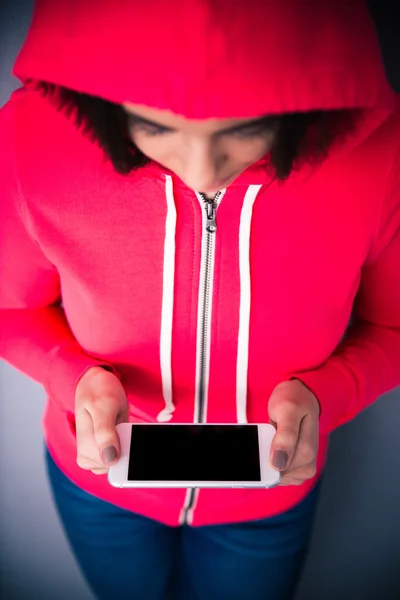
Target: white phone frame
{"x":118,"y":473}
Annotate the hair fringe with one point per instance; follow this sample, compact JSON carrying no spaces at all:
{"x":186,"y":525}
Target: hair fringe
{"x":301,"y":137}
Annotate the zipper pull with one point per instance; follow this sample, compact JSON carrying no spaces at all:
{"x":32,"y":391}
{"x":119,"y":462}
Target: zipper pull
{"x":211,"y":211}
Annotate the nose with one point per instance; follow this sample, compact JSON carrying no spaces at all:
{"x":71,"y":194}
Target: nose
{"x":203,"y":162}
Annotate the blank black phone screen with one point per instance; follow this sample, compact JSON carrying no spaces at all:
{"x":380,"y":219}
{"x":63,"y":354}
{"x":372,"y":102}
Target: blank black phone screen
{"x":194,"y":453}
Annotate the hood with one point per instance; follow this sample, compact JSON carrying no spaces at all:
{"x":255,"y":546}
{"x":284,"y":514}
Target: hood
{"x":216,"y":58}
{"x":210,"y":58}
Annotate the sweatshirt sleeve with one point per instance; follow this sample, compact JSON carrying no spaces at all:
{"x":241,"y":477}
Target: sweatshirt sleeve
{"x":34,"y":333}
{"x":366,"y":364}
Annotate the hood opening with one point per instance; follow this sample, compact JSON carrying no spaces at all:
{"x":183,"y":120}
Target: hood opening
{"x":302,"y":138}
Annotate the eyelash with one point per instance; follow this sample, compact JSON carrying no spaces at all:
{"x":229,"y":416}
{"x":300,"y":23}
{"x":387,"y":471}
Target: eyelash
{"x":243,"y":133}
{"x":248,"y":133}
{"x":152,"y":131}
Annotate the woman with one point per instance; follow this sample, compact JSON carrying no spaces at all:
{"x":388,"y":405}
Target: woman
{"x":137,"y":122}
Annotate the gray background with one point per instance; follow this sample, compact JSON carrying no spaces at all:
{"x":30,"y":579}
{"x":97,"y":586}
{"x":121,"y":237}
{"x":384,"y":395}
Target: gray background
{"x":355,"y":551}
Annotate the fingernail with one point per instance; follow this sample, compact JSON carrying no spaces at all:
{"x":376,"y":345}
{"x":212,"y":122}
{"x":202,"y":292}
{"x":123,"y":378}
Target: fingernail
{"x":280,"y":459}
{"x":109,"y":454}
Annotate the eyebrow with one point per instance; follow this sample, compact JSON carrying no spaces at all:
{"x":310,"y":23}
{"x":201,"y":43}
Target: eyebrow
{"x":265,"y":120}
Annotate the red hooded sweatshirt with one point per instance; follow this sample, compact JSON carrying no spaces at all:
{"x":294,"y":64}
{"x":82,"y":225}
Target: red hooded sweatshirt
{"x":99,"y":268}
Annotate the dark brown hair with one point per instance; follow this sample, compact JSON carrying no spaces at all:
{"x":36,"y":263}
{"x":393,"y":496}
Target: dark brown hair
{"x":300,"y":136}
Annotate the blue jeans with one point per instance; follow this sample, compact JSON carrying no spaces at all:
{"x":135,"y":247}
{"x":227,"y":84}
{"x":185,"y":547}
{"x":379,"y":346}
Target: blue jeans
{"x":124,"y":556}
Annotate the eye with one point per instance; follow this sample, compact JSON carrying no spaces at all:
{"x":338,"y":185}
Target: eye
{"x":150,"y":130}
{"x":135,"y":125}
{"x":249,"y":132}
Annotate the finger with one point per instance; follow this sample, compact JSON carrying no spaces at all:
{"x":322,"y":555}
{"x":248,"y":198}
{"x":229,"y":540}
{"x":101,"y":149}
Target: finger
{"x":285,"y":481}
{"x":87,"y":452}
{"x":308,"y":439}
{"x":304,"y":473}
{"x":88,"y":462}
{"x":284,"y":443}
{"x":299,"y":476}
{"x":83,"y":426}
{"x":88,"y":455}
{"x":101,"y":471}
{"x":303,"y":466}
{"x":104,"y":416}
{"x":307,"y":447}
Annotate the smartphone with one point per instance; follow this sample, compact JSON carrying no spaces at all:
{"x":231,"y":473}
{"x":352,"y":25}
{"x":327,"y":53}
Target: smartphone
{"x":194,"y":455}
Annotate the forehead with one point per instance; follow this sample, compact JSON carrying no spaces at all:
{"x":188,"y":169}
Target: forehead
{"x":173,"y":121}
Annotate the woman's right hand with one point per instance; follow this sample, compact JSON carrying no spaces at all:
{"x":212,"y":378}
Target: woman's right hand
{"x":100,"y":404}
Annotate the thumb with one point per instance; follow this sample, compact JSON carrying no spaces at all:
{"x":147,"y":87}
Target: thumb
{"x":105,"y":433}
{"x":287,"y":421}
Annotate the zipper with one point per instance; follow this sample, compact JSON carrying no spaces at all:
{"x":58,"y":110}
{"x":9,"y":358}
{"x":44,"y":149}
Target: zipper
{"x":210,"y":207}
{"x":207,"y":266}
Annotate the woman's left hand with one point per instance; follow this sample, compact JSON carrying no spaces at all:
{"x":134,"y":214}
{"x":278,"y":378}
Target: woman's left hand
{"x":294,"y":411}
